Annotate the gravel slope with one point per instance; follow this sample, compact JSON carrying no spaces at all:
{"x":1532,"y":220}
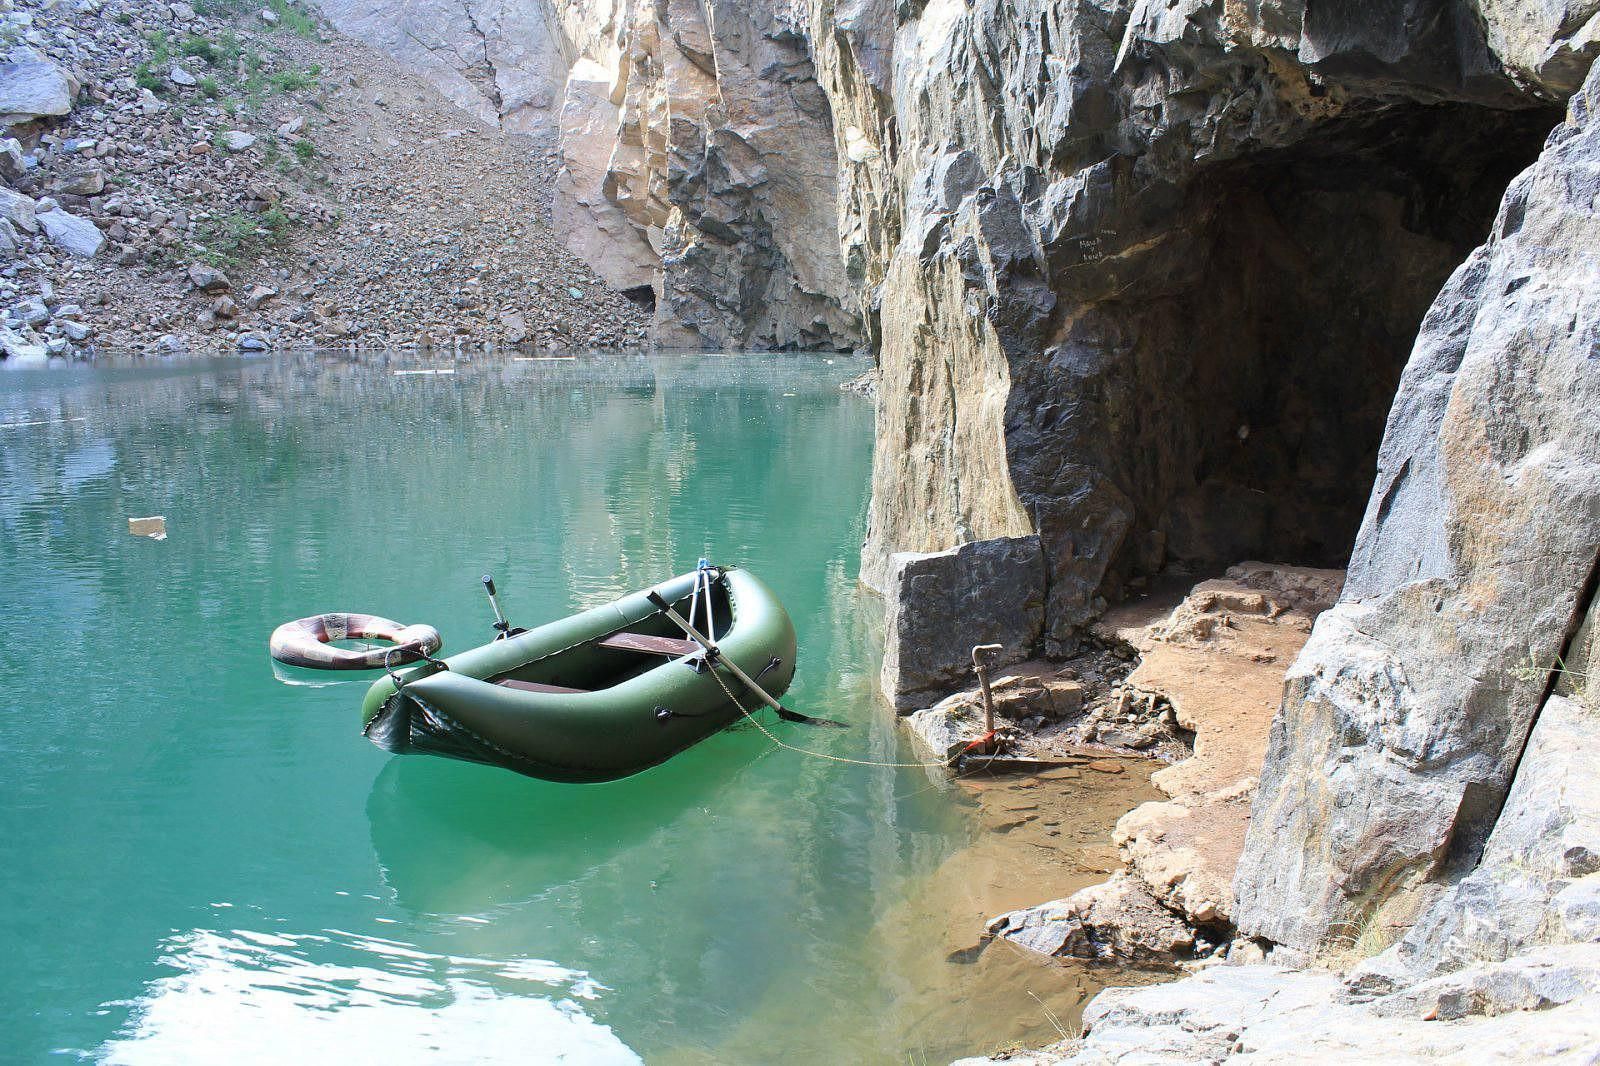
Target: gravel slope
{"x":342,"y":200}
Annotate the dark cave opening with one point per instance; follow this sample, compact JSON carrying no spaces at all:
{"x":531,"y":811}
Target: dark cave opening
{"x":642,"y":295}
{"x":1269,"y":382}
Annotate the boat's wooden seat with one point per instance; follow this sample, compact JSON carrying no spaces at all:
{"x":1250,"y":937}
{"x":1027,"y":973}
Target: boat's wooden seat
{"x":535,"y":686}
{"x":671,"y":647}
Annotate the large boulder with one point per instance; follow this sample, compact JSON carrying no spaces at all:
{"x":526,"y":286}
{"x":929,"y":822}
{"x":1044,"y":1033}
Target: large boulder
{"x":941,"y":604}
{"x":1407,"y":712}
{"x":21,"y":349}
{"x":77,"y":236}
{"x":1118,"y":919}
{"x":19,"y":210}
{"x":32,"y":86}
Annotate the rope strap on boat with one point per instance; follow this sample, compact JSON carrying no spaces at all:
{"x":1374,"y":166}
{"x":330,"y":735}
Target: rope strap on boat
{"x":394,"y":677}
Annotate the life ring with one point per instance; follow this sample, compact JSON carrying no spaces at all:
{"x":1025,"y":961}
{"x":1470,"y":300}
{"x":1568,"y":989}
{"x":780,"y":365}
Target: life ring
{"x":306,"y":642}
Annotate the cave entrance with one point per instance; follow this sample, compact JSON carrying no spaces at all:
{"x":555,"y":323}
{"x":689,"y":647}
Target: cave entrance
{"x":1323,"y":260}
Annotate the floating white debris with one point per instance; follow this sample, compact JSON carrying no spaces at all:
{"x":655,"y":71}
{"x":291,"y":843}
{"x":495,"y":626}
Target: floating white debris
{"x":40,"y":422}
{"x":154,"y":527}
{"x":425,"y":373}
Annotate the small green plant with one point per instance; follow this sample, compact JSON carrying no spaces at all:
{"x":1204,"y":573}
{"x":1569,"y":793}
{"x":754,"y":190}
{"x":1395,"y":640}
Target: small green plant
{"x":209,"y":86}
{"x":200,"y":48}
{"x":1530,"y":670}
{"x":227,"y":240}
{"x":288,"y":81}
{"x":219,"y":8}
{"x":304,"y":150}
{"x":125,"y":17}
{"x":223,"y":53}
{"x":275,"y":223}
{"x":294,"y":18}
{"x":160,"y":46}
{"x":145,"y":77}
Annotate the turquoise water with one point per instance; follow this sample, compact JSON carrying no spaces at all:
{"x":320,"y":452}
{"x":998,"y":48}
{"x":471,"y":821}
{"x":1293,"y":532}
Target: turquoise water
{"x":205,"y":863}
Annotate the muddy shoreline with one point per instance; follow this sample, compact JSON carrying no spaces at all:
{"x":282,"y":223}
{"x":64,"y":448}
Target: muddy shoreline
{"x":1177,"y":688}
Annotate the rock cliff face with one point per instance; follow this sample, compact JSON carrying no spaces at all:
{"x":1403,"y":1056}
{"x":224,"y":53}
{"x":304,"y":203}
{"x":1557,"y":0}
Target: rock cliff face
{"x":503,"y":61}
{"x":725,"y":161}
{"x":1152,"y":283}
{"x":1145,"y":277}
{"x":699,"y":172}
{"x":1408,"y":713}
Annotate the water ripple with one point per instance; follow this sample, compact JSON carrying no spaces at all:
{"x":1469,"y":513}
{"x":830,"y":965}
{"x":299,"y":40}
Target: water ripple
{"x":246,"y":996}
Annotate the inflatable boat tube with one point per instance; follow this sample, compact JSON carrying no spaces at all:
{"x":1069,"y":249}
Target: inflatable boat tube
{"x":308,"y":642}
{"x":596,"y":696}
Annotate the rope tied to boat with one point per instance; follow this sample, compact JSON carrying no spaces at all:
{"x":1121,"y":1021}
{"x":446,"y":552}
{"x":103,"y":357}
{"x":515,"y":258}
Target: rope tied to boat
{"x":395,"y":677}
{"x":816,"y":754}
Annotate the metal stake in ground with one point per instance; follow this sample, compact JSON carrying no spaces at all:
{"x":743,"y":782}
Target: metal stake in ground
{"x":714,"y":657}
{"x":980,"y":665}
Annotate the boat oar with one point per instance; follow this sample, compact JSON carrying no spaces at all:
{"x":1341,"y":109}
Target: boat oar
{"x":715,"y":656}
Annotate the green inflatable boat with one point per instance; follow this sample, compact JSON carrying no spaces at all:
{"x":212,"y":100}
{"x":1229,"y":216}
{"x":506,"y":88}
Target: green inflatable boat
{"x":602,"y":694}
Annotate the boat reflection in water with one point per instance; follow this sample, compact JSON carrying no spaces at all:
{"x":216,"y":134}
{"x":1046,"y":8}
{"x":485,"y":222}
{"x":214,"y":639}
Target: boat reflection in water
{"x":461,"y":839}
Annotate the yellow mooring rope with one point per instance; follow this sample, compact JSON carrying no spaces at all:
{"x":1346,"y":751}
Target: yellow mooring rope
{"x":817,"y":754}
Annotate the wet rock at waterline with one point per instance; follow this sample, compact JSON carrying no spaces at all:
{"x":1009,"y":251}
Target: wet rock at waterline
{"x":1031,"y":691}
{"x":1119,"y":919}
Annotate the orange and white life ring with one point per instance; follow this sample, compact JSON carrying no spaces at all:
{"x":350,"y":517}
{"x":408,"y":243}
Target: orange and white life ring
{"x":308,"y":642}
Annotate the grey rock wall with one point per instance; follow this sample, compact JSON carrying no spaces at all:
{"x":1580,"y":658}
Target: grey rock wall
{"x":1144,"y":275}
{"x":502,"y":61}
{"x":1407,"y":712}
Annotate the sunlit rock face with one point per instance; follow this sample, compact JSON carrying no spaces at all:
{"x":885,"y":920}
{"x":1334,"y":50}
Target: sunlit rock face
{"x":1408,"y":714}
{"x":725,"y":155}
{"x":699,"y":168}
{"x":698,"y":149}
{"x":502,"y":61}
{"x":1145,"y":276}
